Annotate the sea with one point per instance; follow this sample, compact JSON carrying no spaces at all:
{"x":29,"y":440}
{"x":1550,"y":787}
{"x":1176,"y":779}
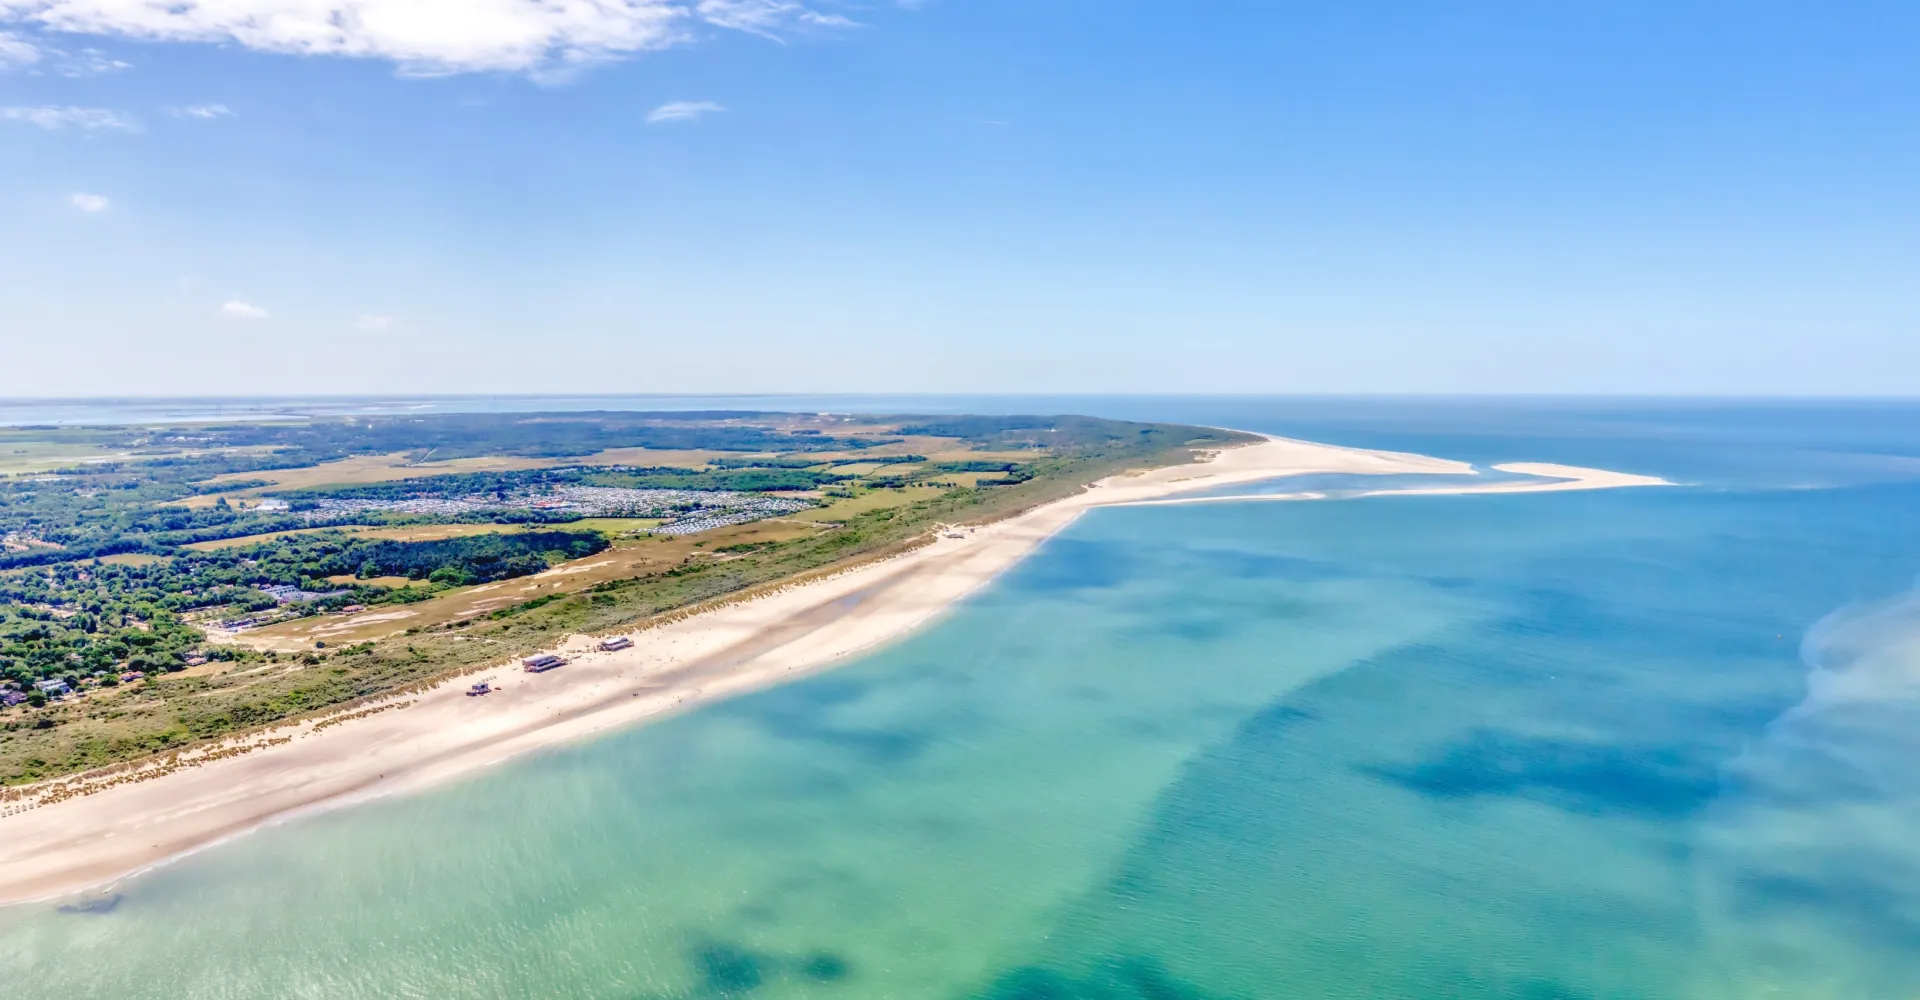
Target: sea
{"x":1641,"y":744}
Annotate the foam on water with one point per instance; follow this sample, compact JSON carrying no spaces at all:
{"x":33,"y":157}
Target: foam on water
{"x":1810,"y":863}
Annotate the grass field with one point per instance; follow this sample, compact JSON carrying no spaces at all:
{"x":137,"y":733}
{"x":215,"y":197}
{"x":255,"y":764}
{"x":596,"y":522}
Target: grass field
{"x":348,"y":579}
{"x":868,"y":500}
{"x":404,"y":533}
{"x":863,"y":468}
{"x":626,"y":560}
{"x":968,"y":478}
{"x":662,"y":458}
{"x":20,"y":458}
{"x":911,"y":445}
{"x":132,"y":559}
{"x":612,"y":527}
{"x":245,"y":540}
{"x":24,"y":455}
{"x":950,"y":455}
{"x":363,"y":469}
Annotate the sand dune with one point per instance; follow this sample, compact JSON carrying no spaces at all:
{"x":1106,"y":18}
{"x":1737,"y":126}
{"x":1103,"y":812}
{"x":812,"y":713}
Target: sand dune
{"x":416,"y":740}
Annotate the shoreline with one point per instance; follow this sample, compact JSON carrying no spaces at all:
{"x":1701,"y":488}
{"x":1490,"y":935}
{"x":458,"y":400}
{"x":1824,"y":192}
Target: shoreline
{"x":127,"y":825}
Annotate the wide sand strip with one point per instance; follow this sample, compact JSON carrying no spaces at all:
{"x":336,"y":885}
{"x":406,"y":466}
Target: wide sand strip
{"x":416,"y":740}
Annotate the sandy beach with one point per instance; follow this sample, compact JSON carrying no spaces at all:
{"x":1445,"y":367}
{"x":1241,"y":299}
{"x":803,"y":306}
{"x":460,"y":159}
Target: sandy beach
{"x":416,"y":740}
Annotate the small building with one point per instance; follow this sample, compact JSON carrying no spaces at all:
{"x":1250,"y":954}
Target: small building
{"x":542,"y":663}
{"x":287,"y":594}
{"x":133,"y":675}
{"x":196,"y":660}
{"x":615,"y":643}
{"x":52,"y":687}
{"x":9,"y":699}
{"x":353,"y":609}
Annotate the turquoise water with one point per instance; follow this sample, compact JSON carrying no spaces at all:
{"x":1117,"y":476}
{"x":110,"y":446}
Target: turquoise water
{"x":1632,"y":744}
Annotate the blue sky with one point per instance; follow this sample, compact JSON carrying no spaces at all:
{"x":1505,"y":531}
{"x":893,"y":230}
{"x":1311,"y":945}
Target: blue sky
{"x":256,"y":196}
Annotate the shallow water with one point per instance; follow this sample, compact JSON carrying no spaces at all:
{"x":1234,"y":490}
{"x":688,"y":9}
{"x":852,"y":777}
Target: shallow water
{"x":1533,"y":747}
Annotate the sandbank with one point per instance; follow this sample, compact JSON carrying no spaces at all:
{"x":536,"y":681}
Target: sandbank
{"x":122,"y":826}
{"x":1548,"y":478}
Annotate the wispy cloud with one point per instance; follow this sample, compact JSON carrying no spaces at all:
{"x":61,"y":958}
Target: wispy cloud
{"x":17,"y":52}
{"x":21,"y":52}
{"x":205,"y":112}
{"x":432,"y":37}
{"x":53,"y":118}
{"x":370,"y":322}
{"x":767,"y":18}
{"x":242,"y":310}
{"x":87,"y":62}
{"x":90,"y":203}
{"x":682,"y":111}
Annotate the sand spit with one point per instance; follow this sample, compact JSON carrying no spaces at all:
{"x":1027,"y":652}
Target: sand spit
{"x":88,"y":832}
{"x":1551,"y":479}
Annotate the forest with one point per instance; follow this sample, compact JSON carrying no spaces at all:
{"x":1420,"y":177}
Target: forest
{"x":39,"y":643}
{"x":80,"y":619}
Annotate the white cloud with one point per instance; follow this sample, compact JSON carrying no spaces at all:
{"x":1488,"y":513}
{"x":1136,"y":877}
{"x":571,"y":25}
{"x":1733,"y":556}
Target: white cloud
{"x":368,"y":321}
{"x":16,"y":51}
{"x":203,"y":111}
{"x":682,"y":111}
{"x":90,"y":203}
{"x":242,"y":310}
{"x":54,"y":118}
{"x":427,"y":37}
{"x":766,"y":18}
{"x":87,"y":62}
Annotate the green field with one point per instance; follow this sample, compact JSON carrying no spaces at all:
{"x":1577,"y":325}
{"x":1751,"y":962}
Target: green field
{"x":407,"y":533}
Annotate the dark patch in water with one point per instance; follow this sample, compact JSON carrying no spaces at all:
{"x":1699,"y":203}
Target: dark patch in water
{"x":1860,"y":900}
{"x":828,"y":691}
{"x":729,"y":970}
{"x":1073,"y":564}
{"x":799,"y":713}
{"x":1549,"y":990}
{"x":725,"y":969}
{"x":1090,"y":693}
{"x":1272,"y":720}
{"x":1132,"y":978}
{"x":105,"y":904}
{"x":1264,"y":566}
{"x":1593,"y":778}
{"x":1195,"y":628}
{"x":824,"y":967}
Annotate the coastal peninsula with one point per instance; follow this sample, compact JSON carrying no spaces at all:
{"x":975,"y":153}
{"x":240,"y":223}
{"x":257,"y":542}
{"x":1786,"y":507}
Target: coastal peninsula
{"x":70,"y":833}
